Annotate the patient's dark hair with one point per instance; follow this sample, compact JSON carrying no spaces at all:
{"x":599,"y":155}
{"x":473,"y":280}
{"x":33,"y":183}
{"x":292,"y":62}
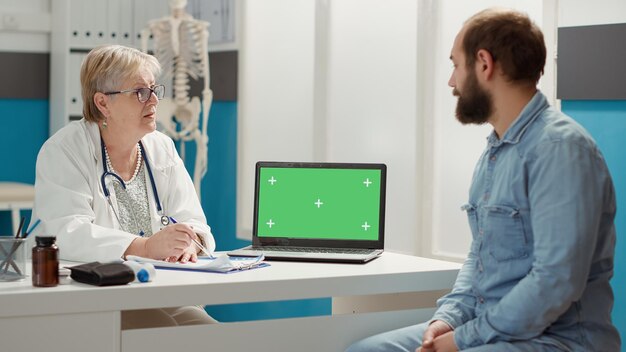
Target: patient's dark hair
{"x":512,"y":39}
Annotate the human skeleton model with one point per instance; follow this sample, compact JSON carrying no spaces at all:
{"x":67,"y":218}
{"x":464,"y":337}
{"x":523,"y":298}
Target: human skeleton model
{"x":181,"y":46}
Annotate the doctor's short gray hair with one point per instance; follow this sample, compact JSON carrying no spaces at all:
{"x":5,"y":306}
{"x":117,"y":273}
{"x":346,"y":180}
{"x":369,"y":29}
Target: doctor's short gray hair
{"x":105,"y":68}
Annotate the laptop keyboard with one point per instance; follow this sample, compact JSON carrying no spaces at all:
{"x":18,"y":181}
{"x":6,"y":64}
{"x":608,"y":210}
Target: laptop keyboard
{"x":314,"y":250}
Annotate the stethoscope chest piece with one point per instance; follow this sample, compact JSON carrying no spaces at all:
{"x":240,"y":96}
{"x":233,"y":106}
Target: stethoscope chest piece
{"x":165,"y":220}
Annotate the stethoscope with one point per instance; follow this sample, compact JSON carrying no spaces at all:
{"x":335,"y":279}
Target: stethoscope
{"x":165,"y":220}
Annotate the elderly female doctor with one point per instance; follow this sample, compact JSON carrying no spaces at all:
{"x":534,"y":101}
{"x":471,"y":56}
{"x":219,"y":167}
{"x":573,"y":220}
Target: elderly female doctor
{"x":110,"y":185}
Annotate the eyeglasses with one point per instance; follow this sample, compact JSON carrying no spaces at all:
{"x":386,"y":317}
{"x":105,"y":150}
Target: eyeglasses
{"x":144,"y":94}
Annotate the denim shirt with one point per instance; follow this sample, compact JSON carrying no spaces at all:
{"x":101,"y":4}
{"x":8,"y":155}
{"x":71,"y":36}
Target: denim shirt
{"x":541,"y":209}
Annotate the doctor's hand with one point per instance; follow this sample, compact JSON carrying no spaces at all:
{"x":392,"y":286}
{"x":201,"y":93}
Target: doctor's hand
{"x":172,"y":241}
{"x":435,"y":329}
{"x":189,"y":255}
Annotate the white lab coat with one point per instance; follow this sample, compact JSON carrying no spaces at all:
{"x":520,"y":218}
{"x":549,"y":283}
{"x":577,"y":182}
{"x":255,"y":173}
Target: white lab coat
{"x":71,"y":204}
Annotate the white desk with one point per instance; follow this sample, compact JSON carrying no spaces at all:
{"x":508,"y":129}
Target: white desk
{"x":78,"y":317}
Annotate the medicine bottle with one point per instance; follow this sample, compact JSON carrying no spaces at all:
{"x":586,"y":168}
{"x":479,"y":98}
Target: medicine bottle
{"x":45,"y":262}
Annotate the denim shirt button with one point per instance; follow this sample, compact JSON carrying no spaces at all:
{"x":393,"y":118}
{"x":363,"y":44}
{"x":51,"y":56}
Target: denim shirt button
{"x":481,"y":300}
{"x":493,"y":158}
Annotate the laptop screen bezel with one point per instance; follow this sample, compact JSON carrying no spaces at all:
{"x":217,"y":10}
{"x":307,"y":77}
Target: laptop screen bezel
{"x":312,"y":242}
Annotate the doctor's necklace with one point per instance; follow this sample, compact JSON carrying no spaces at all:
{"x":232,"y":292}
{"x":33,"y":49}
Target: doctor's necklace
{"x":137,"y":166}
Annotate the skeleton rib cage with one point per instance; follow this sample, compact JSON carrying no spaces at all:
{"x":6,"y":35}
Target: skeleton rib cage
{"x":181,"y":46}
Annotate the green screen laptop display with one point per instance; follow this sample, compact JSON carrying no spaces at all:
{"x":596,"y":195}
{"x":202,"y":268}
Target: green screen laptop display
{"x":325,"y":202}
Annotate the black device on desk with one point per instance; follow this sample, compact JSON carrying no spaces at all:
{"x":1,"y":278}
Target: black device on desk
{"x":326,"y":212}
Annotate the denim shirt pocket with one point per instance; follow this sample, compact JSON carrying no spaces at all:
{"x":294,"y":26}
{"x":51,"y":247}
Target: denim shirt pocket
{"x":506,"y":236}
{"x":472,"y":218}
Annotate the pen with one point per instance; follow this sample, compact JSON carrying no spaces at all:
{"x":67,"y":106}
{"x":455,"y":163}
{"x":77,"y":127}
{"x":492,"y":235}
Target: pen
{"x":32,"y":228}
{"x":19,"y":229}
{"x":196,"y":241}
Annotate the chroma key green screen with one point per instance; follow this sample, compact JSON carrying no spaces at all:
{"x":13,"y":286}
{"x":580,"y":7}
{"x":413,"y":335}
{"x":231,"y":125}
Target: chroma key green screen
{"x":319,"y":203}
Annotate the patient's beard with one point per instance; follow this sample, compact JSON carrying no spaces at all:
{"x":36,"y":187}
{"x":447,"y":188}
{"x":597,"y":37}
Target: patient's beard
{"x":475,"y":105}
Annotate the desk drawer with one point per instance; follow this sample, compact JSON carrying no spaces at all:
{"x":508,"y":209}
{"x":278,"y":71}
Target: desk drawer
{"x":296,"y":334}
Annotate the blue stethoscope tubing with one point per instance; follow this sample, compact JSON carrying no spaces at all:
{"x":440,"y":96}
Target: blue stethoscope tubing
{"x":165,"y":220}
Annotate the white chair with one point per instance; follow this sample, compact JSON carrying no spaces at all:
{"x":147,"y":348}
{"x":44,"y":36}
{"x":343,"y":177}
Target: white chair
{"x":15,"y":196}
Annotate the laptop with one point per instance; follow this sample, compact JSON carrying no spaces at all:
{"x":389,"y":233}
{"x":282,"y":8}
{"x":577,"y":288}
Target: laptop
{"x":324,"y":212}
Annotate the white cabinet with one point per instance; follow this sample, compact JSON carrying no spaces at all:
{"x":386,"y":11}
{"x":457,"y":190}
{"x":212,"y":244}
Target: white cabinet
{"x":78,"y":26}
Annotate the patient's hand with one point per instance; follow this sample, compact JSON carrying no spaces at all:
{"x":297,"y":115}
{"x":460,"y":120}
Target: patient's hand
{"x":441,"y":343}
{"x":436,"y":329}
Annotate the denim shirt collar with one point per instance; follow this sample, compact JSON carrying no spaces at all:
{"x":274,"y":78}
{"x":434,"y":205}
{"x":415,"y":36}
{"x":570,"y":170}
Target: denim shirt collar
{"x":531,"y":111}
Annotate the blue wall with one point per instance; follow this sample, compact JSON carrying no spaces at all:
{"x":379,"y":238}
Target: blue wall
{"x":606,"y":121}
{"x":25,"y":128}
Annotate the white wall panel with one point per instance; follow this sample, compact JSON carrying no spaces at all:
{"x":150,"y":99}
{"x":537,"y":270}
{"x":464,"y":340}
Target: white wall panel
{"x":25,"y":25}
{"x":275,"y":91}
{"x":371,"y":102}
{"x":587,"y":13}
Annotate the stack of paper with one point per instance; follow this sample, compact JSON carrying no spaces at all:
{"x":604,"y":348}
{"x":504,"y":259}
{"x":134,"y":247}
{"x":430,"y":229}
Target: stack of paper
{"x":222,"y":264}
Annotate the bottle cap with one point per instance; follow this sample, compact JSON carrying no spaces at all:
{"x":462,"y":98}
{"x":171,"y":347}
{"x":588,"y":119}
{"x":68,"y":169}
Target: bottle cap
{"x":45,"y":240}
